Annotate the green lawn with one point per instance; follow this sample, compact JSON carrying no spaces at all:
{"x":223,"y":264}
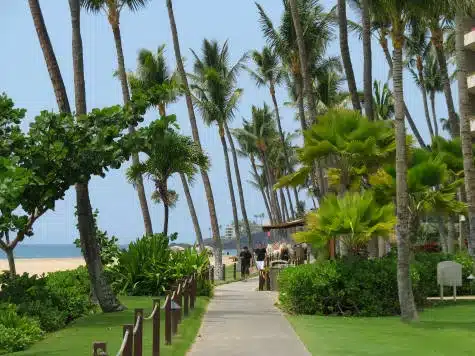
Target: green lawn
{"x":77,"y":338}
{"x":444,"y":330}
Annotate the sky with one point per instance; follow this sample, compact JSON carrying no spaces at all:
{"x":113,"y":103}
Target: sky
{"x":23,"y":76}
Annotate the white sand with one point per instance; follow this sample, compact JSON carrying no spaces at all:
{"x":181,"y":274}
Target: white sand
{"x":43,"y":265}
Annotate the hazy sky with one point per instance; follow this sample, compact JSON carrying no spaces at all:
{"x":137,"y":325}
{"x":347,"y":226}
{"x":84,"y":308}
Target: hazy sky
{"x":23,"y":76}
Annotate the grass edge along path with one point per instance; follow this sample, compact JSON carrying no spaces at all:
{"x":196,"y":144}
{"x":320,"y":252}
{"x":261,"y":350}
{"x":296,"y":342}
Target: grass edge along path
{"x":77,"y":338}
{"x":447,"y":329}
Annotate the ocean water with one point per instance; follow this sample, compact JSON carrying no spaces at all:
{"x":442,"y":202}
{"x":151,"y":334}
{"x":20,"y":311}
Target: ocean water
{"x":58,"y":251}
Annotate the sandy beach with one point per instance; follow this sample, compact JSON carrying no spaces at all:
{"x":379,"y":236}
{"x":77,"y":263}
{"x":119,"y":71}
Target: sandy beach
{"x":43,"y":265}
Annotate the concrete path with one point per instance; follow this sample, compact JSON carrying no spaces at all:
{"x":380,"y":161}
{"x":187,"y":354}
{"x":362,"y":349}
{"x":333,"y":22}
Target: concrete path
{"x":242,"y":321}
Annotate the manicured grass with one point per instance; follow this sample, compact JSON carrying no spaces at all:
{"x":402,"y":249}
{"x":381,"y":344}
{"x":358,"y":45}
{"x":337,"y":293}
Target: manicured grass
{"x":443,"y":330}
{"x":77,"y":338}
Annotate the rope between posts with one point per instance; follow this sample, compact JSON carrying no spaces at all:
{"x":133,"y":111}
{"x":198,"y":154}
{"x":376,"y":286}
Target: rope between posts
{"x":124,"y":342}
{"x":155,"y":308}
{"x":137,"y":323}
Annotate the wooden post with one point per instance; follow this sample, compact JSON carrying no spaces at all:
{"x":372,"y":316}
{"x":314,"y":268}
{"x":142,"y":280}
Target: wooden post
{"x":186,"y":298}
{"x":168,"y":320}
{"x":193,"y":292}
{"x":455,"y":293}
{"x":156,"y":328}
{"x":234,"y":270}
{"x":99,"y":349}
{"x":261,"y":280}
{"x":212,"y":274}
{"x":178,"y":301}
{"x":138,"y":335}
{"x":224,"y":272}
{"x":128,"y":349}
{"x":267,"y":280}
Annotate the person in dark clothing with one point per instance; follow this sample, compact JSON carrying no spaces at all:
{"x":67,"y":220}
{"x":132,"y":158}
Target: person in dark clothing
{"x":260,"y":252}
{"x":245,"y":256}
{"x":284,"y":255}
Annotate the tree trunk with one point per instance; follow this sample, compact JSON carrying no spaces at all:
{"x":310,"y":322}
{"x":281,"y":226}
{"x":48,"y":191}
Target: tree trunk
{"x":300,"y":101}
{"x":368,"y":66}
{"x":465,"y":132}
{"x":464,"y":225}
{"x":438,"y":41}
{"x":11,"y":261}
{"x":126,"y":98}
{"x":239,"y":185}
{"x":304,"y":63}
{"x":272,"y":196}
{"x":442,"y":234}
{"x":434,"y":113}
{"x":285,"y":211}
{"x":264,"y":197}
{"x":345,"y":55}
{"x":415,"y":131}
{"x":424,"y":98}
{"x":166,"y":213}
{"x":406,"y":297}
{"x":231,"y":187}
{"x":194,"y":129}
{"x":191,"y":207}
{"x":291,"y":206}
{"x":282,"y":140}
{"x":451,"y":234}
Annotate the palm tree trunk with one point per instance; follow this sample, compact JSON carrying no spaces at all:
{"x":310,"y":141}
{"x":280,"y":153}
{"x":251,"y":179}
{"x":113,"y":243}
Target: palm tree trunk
{"x":300,"y":101}
{"x":273,"y":196}
{"x":231,"y":187}
{"x":264,"y":197}
{"x":406,"y":297}
{"x":451,"y":231}
{"x":304,"y":64}
{"x":285,"y":211}
{"x":194,"y":129}
{"x":434,"y":114}
{"x":438,"y":41}
{"x":239,"y":185}
{"x":424,"y":98}
{"x":465,"y":132}
{"x":345,"y":55}
{"x":368,"y":66}
{"x":165,"y":219}
{"x":415,"y":131}
{"x":126,"y":98}
{"x":463,"y":225}
{"x":282,"y":138}
{"x":191,"y":207}
{"x":442,"y":234}
{"x":291,"y":206}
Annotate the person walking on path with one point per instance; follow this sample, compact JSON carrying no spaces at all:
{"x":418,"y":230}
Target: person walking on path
{"x":245,"y":256}
{"x":260,"y":252}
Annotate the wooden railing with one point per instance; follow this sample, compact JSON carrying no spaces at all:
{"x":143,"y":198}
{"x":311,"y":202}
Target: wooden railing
{"x":177,"y":305}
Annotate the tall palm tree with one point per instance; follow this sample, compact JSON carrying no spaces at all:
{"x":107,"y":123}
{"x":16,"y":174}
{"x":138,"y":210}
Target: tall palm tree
{"x":112,"y":9}
{"x":417,"y":50}
{"x":168,"y":153}
{"x":270,"y":73}
{"x":161,"y":87}
{"x":345,"y":54}
{"x":99,"y":285}
{"x":465,"y":132}
{"x":217,"y":97}
{"x":398,"y":13}
{"x":433,"y":85}
{"x":196,"y":137}
{"x":368,"y":62}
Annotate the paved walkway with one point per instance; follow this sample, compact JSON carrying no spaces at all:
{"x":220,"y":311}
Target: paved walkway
{"x":242,"y":321}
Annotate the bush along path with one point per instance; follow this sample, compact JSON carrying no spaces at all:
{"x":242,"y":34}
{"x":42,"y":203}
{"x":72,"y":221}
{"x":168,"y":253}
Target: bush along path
{"x":241,"y":321}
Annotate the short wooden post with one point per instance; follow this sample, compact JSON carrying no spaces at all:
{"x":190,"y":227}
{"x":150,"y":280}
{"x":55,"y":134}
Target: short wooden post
{"x":99,"y":349}
{"x":186,"y":298}
{"x":261,"y":280}
{"x":212,"y":274}
{"x":178,"y":301}
{"x":156,"y":328}
{"x":234,"y":270}
{"x":128,"y":349}
{"x":168,"y":320}
{"x":193,"y":292}
{"x":138,"y":334}
{"x":175,"y":317}
{"x":267,"y":280}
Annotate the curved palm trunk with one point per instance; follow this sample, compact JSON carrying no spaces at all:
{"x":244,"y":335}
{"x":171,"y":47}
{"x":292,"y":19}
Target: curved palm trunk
{"x":300,"y":101}
{"x":231,"y":188}
{"x":194,"y":129}
{"x":274,"y":203}
{"x":282,"y":138}
{"x":367,"y":74}
{"x":285,"y":211}
{"x":415,"y":131}
{"x":239,"y":185}
{"x":406,"y":297}
{"x":126,"y":98}
{"x":424,"y":96}
{"x":304,"y":64}
{"x":465,"y":132}
{"x":434,"y":113}
{"x":291,"y":206}
{"x":438,"y":41}
{"x":191,"y":207}
{"x":264,"y":196}
{"x":345,"y":55}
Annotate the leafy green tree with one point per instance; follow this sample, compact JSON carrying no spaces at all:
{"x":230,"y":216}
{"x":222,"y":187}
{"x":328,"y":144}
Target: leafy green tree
{"x":433,"y":85}
{"x":167,"y":153}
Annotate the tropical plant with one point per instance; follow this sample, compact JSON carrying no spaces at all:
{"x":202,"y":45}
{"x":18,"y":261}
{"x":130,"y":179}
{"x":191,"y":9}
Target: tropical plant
{"x":383,"y":101}
{"x":167,"y":153}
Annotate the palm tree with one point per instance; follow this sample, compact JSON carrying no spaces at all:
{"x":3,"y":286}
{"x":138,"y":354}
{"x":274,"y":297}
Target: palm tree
{"x":99,"y":285}
{"x":345,"y":54}
{"x":217,"y":97}
{"x":112,"y":8}
{"x":417,"y":50}
{"x":161,"y":87}
{"x":398,"y":13}
{"x":433,"y":85}
{"x":465,"y":131}
{"x":383,"y":101}
{"x":367,"y":54}
{"x":167,"y":153}
{"x":270,"y":73}
{"x":196,"y":137}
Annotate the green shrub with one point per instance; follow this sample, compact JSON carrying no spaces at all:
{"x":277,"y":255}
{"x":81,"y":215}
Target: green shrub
{"x":184,"y":263}
{"x":204,"y":288}
{"x":16,"y":332}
